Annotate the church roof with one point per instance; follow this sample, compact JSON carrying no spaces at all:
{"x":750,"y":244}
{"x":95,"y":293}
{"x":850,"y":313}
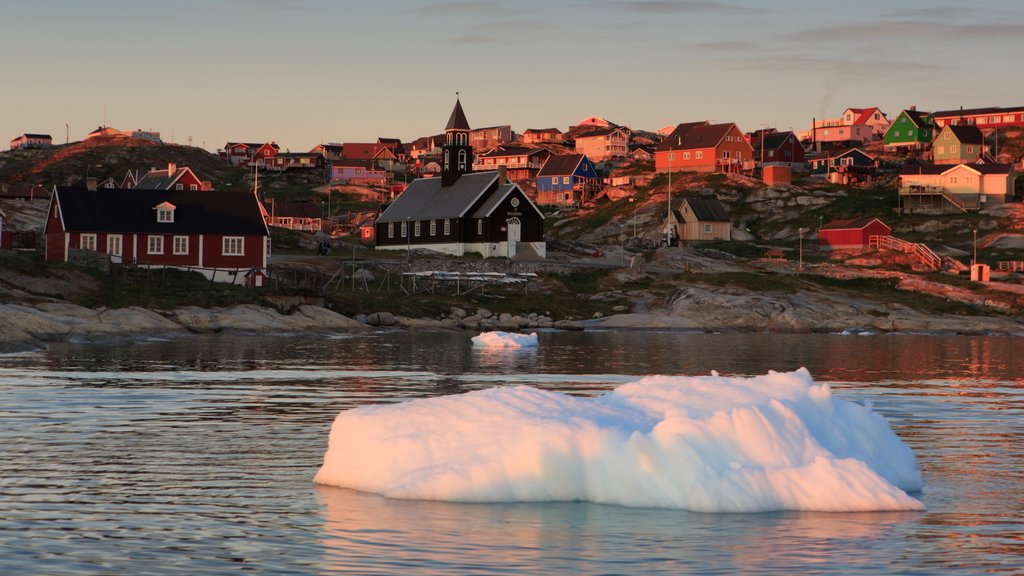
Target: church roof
{"x":426,"y":199}
{"x":457,"y":121}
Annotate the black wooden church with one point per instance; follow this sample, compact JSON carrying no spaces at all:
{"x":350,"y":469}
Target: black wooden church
{"x":463,"y":211}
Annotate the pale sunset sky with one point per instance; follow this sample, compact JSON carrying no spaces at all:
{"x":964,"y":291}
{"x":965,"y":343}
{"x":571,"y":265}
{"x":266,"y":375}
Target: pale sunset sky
{"x":304,"y":71}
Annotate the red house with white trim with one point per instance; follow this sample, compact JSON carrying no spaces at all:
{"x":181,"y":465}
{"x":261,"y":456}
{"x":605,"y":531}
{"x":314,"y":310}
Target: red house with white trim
{"x":222,"y":235}
{"x":173,"y":178}
{"x":851,"y":234}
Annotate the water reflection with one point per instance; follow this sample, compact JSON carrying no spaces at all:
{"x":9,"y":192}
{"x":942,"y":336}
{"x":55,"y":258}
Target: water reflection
{"x":371,"y":534}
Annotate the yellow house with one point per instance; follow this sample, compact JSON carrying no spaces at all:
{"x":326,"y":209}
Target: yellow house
{"x":702,"y":219}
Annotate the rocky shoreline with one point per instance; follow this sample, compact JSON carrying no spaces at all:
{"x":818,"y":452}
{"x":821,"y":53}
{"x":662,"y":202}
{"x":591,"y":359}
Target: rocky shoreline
{"x":28,"y":327}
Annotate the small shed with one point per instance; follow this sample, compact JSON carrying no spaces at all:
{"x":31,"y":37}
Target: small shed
{"x":851,"y":234}
{"x":777,"y":174}
{"x":702,"y":219}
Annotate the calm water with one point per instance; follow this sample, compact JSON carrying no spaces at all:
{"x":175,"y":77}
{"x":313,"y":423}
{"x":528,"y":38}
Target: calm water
{"x":196,"y":456}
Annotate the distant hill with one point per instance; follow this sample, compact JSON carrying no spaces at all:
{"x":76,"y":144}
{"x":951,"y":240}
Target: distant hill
{"x":111,"y":157}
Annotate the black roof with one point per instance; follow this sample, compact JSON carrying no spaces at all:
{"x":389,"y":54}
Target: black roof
{"x":27,"y":135}
{"x":967,"y":134}
{"x":134,"y":211}
{"x":772,"y":141}
{"x":707,"y":209}
{"x":457,"y":121}
{"x":561,"y":165}
{"x":976,"y":111}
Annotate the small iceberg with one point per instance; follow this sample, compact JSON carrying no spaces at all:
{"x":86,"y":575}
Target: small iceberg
{"x":505,"y":340}
{"x":709,"y":444}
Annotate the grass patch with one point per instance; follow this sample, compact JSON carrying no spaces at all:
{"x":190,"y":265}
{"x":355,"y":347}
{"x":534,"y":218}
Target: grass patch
{"x":163,"y":289}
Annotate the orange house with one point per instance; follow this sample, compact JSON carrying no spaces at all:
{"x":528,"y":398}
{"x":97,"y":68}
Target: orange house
{"x":705,"y":148}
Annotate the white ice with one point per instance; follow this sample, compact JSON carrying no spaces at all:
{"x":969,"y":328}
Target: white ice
{"x":710,"y":444}
{"x":500,"y":339}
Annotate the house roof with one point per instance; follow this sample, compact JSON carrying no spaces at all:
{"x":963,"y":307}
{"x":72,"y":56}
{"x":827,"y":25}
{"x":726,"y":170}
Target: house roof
{"x":457,"y":121}
{"x":294,"y":209}
{"x":132,"y":211}
{"x":27,"y":135}
{"x":967,"y":134}
{"x":851,"y":224}
{"x":503,"y":151}
{"x":772,"y":141}
{"x":705,"y":136}
{"x":917,"y":117}
{"x":864,"y":114}
{"x":707,"y":209}
{"x":298,"y":155}
{"x":255,"y":145}
{"x":675,"y":139}
{"x":393,"y":144}
{"x":426,"y":199}
{"x":355,"y":162}
{"x":599,"y":132}
{"x":936,"y":169}
{"x":561,"y":165}
{"x":542,"y":131}
{"x":360,"y":150}
{"x":840,"y":153}
{"x":162,"y":179}
{"x":976,"y":111}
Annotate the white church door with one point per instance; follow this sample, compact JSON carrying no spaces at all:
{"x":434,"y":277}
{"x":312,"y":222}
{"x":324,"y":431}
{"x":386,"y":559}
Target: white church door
{"x":515,"y":233}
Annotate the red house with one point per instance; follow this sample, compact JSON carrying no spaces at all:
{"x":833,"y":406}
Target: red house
{"x":173,"y":178}
{"x":244,"y":154}
{"x":283,"y":161}
{"x":702,"y":147}
{"x":221,"y":235}
{"x":851,"y":234}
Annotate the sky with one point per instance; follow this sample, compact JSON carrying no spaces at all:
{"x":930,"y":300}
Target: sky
{"x":301,"y":72}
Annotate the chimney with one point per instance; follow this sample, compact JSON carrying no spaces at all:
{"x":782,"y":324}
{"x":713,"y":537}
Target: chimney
{"x":502,"y":175}
{"x":90,"y":184}
{"x":171,"y":168}
{"x":913,"y":108}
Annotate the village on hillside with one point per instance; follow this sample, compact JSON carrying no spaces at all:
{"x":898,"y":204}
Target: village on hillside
{"x":877,"y":192}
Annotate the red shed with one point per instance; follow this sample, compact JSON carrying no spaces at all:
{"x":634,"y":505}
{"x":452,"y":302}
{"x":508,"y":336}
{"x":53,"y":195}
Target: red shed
{"x":851,"y":234}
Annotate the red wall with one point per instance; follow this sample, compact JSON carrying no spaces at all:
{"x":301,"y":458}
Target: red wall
{"x":212,"y":257}
{"x":852,"y":238}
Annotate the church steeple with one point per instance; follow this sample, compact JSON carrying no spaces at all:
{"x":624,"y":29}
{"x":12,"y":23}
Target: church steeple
{"x":457,"y":154}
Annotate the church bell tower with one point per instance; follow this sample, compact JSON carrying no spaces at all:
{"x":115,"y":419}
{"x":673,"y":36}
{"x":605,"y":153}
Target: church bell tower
{"x":456,"y":154}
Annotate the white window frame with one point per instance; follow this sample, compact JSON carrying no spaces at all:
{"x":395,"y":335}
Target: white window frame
{"x":179,"y":186}
{"x":193,"y":187}
{"x":433,"y":227}
{"x":707,"y":228}
{"x":391,"y":229}
{"x":447,"y":227}
{"x":232,"y":246}
{"x":179,"y":245}
{"x":87,"y":242}
{"x":686,"y":155}
{"x":700,"y":154}
{"x":565,"y":179}
{"x":416,"y":228}
{"x":155,"y":244}
{"x":405,"y":229}
{"x":480,"y":226}
{"x":165,"y":216}
{"x":114,"y":241}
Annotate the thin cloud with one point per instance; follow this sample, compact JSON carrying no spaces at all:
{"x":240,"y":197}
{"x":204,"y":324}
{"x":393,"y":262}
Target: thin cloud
{"x":459,"y":7}
{"x":681,"y":7}
{"x":724,"y":45}
{"x":902,"y":30}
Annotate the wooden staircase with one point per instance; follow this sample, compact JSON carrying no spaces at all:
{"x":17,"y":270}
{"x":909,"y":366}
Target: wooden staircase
{"x":923,"y":253}
{"x":932,"y":191}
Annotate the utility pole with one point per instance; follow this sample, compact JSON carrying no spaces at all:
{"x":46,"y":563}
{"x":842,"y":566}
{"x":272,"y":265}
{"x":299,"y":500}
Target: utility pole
{"x":801,"y":265}
{"x":67,"y":133}
{"x":668,"y":219}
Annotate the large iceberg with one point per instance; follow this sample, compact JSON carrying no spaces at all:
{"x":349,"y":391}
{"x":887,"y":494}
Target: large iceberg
{"x":501,"y":339}
{"x":709,"y":444}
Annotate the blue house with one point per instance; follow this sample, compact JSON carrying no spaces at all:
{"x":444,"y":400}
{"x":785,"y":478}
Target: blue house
{"x":852,"y":159}
{"x":567,"y":180}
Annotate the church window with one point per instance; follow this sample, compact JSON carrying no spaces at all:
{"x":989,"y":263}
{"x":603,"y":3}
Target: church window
{"x":446,"y":161}
{"x":433,"y":227}
{"x":416,"y":229}
{"x":391,"y":229}
{"x":447,"y":227}
{"x":462,"y":159}
{"x":480,"y":226}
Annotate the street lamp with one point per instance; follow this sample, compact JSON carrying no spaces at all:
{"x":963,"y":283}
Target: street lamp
{"x":635,"y":208}
{"x":975,"y":261}
{"x":801,"y":265}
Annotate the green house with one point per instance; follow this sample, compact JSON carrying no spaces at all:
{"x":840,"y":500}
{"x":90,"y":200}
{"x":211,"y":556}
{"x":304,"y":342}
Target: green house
{"x":959,"y":145}
{"x":910,"y":128}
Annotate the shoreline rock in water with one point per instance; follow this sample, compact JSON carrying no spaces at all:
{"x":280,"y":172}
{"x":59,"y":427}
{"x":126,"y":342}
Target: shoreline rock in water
{"x":27,"y":327}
